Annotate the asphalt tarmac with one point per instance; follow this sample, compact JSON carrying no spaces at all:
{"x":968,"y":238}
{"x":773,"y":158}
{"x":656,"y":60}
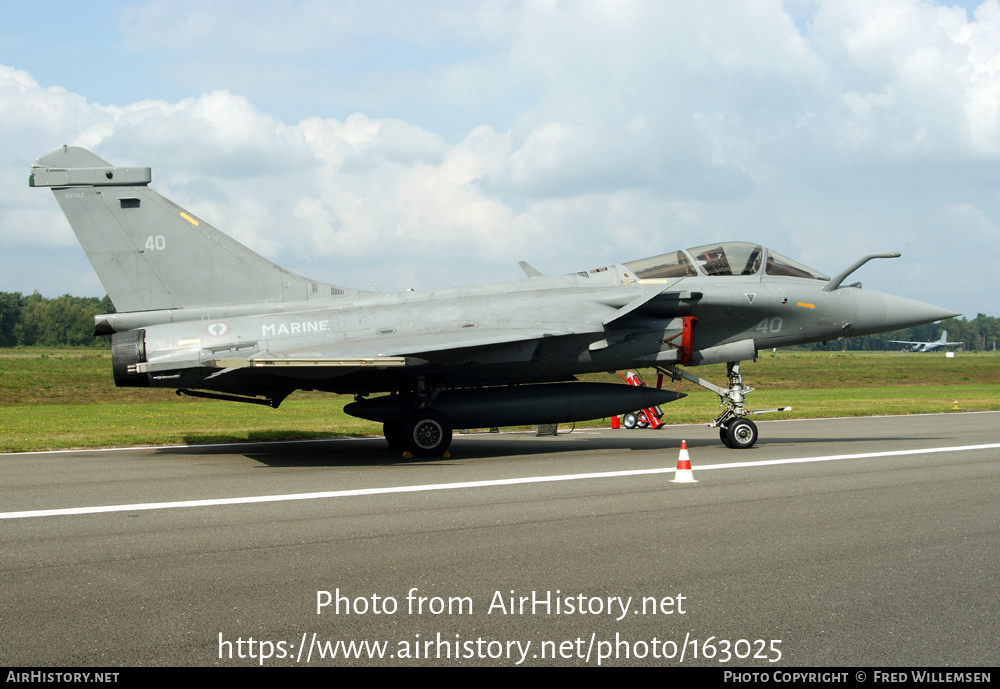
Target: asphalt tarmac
{"x":848,"y":542}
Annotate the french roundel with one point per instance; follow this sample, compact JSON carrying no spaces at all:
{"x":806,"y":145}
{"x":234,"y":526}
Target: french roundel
{"x":217,"y":329}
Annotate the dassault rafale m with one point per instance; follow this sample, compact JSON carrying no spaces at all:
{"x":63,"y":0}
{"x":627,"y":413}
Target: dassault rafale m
{"x":201,"y":313}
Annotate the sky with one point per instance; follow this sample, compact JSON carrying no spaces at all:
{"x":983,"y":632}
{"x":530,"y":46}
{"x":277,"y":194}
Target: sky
{"x":417,"y":145}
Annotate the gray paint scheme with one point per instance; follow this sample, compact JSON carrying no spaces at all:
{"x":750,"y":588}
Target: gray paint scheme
{"x":201,"y":313}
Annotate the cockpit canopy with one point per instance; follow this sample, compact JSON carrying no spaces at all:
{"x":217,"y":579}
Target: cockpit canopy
{"x":726,"y":258}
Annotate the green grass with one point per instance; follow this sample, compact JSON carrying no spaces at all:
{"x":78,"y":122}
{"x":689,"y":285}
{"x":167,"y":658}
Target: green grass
{"x":67,"y":399}
{"x":108,"y":424}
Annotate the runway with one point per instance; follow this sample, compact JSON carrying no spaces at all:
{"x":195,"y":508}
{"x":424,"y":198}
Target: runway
{"x":861,"y":542}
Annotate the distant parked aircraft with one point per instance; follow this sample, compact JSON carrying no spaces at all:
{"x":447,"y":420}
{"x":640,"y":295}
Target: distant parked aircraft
{"x":929,"y":346}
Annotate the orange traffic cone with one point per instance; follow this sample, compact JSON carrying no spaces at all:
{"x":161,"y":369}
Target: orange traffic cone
{"x":683,"y":474}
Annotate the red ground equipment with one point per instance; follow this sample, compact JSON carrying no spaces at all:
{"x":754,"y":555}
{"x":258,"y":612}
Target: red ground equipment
{"x":644,"y":417}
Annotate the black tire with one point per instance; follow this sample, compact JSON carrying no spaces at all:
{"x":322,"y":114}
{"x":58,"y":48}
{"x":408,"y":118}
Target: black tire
{"x":427,"y":433}
{"x":742,"y":434}
{"x":630,"y":420}
{"x":393,"y":432}
{"x":724,"y":435}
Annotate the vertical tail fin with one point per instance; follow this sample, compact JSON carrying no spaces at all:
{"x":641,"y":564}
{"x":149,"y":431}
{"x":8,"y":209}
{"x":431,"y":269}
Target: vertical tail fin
{"x":150,"y":253}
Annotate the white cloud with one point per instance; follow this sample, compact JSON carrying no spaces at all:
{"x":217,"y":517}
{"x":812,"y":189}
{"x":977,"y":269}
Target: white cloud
{"x":216,"y":133}
{"x":929,"y":75}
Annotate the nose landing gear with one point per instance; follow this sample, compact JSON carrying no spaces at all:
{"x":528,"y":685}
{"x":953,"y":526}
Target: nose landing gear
{"x":735,"y":430}
{"x":738,"y":434}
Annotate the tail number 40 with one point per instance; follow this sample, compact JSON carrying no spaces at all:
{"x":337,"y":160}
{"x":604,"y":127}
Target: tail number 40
{"x":157,"y":243}
{"x":770,"y":325}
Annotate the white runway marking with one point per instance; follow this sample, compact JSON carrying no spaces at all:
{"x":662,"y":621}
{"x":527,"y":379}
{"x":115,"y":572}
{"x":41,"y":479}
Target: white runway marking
{"x":214,"y":502}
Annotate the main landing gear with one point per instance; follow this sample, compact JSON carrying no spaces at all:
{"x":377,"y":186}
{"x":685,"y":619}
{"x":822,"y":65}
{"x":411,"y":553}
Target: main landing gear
{"x":735,"y":430}
{"x":420,"y":430}
{"x":423,"y":433}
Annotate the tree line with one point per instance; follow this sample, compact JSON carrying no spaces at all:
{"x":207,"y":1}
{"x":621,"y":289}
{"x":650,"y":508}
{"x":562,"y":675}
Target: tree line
{"x":64,"y":321}
{"x":981,"y":334}
{"x":68,"y":321}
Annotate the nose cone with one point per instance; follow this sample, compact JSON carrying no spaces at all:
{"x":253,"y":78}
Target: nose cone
{"x":880,"y":313}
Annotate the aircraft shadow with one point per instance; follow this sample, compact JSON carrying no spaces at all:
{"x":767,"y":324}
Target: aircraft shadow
{"x":360,"y":452}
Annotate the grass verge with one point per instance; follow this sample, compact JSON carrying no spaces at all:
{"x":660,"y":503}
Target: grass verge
{"x":57,"y":400}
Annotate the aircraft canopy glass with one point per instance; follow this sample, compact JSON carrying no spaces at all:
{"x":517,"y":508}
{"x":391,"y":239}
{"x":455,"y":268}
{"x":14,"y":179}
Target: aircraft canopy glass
{"x":726,"y":258}
{"x":672,"y":265}
{"x":730,"y":258}
{"x":779,"y":265}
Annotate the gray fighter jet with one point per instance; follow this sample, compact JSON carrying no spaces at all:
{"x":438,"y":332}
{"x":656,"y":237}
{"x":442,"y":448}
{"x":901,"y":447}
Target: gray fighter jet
{"x":201,"y":313}
{"x":928,"y":346}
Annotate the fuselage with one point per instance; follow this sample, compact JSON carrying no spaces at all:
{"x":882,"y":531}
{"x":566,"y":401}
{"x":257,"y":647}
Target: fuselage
{"x":533,"y":330}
